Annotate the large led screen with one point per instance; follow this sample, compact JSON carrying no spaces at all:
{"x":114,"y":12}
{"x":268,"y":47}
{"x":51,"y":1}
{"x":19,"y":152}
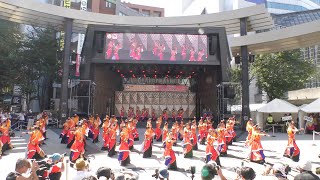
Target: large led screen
{"x":157,"y":47}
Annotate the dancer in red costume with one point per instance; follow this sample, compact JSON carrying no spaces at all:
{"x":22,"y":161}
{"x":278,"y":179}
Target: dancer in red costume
{"x":106,"y":133}
{"x":96,"y":129}
{"x":155,"y":48}
{"x":173,"y":54}
{"x":222,"y":145}
{"x":161,"y":49}
{"x":192,"y":52}
{"x":135,"y":130}
{"x":124,"y":152}
{"x":292,"y":150}
{"x":174,"y":130}
{"x":180,"y":129}
{"x":158,"y":133}
{"x":116,"y":51}
{"x":169,"y":155}
{"x":109,"y":49}
{"x":184,"y":52}
{"x":36,"y":138}
{"x":147,"y":148}
{"x":202,"y":128}
{"x":194,"y":138}
{"x":211,"y":152}
{"x":5,"y":137}
{"x":122,"y":112}
{"x":64,"y":132}
{"x":200,"y":54}
{"x":165,"y":131}
{"x":165,"y":115}
{"x":153,"y":115}
{"x":113,"y":131}
{"x":187,"y":144}
{"x":256,"y":149}
{"x":138,"y":52}
{"x":249,"y":128}
{"x":77,"y":148}
{"x":173,"y":115}
{"x":70,"y":135}
{"x":133,"y":48}
{"x":130,"y":129}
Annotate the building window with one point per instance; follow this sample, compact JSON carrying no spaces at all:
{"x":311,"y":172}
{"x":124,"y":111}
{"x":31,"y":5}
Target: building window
{"x":156,"y":14}
{"x":146,"y":12}
{"x":283,"y":6}
{"x":109,"y":5}
{"x":135,"y":9}
{"x":122,"y":14}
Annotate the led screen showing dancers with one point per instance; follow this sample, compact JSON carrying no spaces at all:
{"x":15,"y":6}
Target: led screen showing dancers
{"x":159,"y":47}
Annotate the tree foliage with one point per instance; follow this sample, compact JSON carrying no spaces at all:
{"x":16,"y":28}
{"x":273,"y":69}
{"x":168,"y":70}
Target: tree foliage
{"x":280,"y":72}
{"x":28,"y":59}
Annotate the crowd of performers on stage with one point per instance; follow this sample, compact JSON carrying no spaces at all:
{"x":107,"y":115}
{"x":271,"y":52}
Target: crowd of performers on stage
{"x":76,"y":132}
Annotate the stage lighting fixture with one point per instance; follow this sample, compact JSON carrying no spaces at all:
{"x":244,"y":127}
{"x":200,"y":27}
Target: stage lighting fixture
{"x":201,"y":31}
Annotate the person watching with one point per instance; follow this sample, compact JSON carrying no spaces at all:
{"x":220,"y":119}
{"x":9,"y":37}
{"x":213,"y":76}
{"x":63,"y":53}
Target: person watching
{"x":22,"y":167}
{"x":279,"y":171}
{"x":106,"y":173}
{"x":247,"y":173}
{"x":305,"y":168}
{"x":270,"y":119}
{"x":209,"y":171}
{"x":57,"y":166}
{"x":163,"y":174}
{"x":82,"y":169}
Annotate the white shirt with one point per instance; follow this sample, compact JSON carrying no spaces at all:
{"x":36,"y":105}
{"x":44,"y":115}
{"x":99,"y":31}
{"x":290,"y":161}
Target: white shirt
{"x":81,"y":174}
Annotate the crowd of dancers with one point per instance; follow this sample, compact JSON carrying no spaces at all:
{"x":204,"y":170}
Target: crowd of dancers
{"x":76,"y":132}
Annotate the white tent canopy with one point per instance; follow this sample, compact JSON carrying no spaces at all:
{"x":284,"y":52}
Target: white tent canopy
{"x":279,"y":106}
{"x":313,"y":107}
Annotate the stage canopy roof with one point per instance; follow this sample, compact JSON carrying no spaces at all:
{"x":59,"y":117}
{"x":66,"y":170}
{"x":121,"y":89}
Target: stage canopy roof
{"x":259,"y":20}
{"x":313,"y":107}
{"x":279,"y":106}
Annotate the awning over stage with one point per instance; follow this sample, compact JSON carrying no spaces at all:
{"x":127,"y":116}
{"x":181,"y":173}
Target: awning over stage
{"x":279,"y":106}
{"x":313,"y":107}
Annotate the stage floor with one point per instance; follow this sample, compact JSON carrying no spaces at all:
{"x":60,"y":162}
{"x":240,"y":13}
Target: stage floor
{"x":274,"y":147}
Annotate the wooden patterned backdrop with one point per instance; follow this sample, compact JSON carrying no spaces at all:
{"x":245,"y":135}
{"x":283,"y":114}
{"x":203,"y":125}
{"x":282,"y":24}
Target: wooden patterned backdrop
{"x":157,"y":101}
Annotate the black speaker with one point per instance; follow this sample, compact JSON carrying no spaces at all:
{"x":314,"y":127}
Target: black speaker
{"x":229,"y":92}
{"x":99,"y":42}
{"x":213,"y":44}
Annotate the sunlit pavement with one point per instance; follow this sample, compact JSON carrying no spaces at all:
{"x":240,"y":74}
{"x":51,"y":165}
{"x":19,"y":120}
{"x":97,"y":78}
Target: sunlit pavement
{"x":273,"y":146}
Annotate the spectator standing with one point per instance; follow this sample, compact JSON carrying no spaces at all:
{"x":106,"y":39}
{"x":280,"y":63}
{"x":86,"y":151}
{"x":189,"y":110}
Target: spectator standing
{"x":305,"y":168}
{"x":22,"y":167}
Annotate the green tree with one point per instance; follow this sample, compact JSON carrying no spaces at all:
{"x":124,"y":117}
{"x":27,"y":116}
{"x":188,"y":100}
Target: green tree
{"x":10,"y":48}
{"x":280,"y":72}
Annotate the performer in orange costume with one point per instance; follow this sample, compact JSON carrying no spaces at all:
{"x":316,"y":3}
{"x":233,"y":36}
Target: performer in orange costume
{"x":158,"y":133}
{"x":202,"y":128}
{"x":106,"y":133}
{"x":211,"y":152}
{"x":113,"y":131}
{"x":147,"y":149}
{"x":256,"y":149}
{"x":194,"y":139}
{"x":187,"y":144}
{"x":96,"y":129}
{"x":135,"y":132}
{"x":229,"y":135}
{"x":249,"y":129}
{"x":222,"y":145}
{"x":70,"y":134}
{"x":64,"y":133}
{"x":130,"y":132}
{"x":5,"y":137}
{"x":174,"y":130}
{"x":292,"y":150}
{"x":165,"y":131}
{"x":76,"y":118}
{"x":169,"y":155}
{"x":124,"y":152}
{"x":77,"y":148}
{"x":34,"y":150}
{"x":180,"y":129}
{"x":42,"y":124}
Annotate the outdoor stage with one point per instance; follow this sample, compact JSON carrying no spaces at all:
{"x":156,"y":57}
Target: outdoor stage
{"x":145,"y":167}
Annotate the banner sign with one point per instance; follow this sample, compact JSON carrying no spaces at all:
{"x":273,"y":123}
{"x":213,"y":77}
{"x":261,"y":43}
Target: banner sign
{"x":286,"y":118}
{"x":309,"y":119}
{"x":83,"y":7}
{"x":148,"y":88}
{"x":67,"y":4}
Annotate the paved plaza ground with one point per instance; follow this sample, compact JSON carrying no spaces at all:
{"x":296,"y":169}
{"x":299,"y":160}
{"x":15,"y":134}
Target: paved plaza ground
{"x":273,"y":149}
